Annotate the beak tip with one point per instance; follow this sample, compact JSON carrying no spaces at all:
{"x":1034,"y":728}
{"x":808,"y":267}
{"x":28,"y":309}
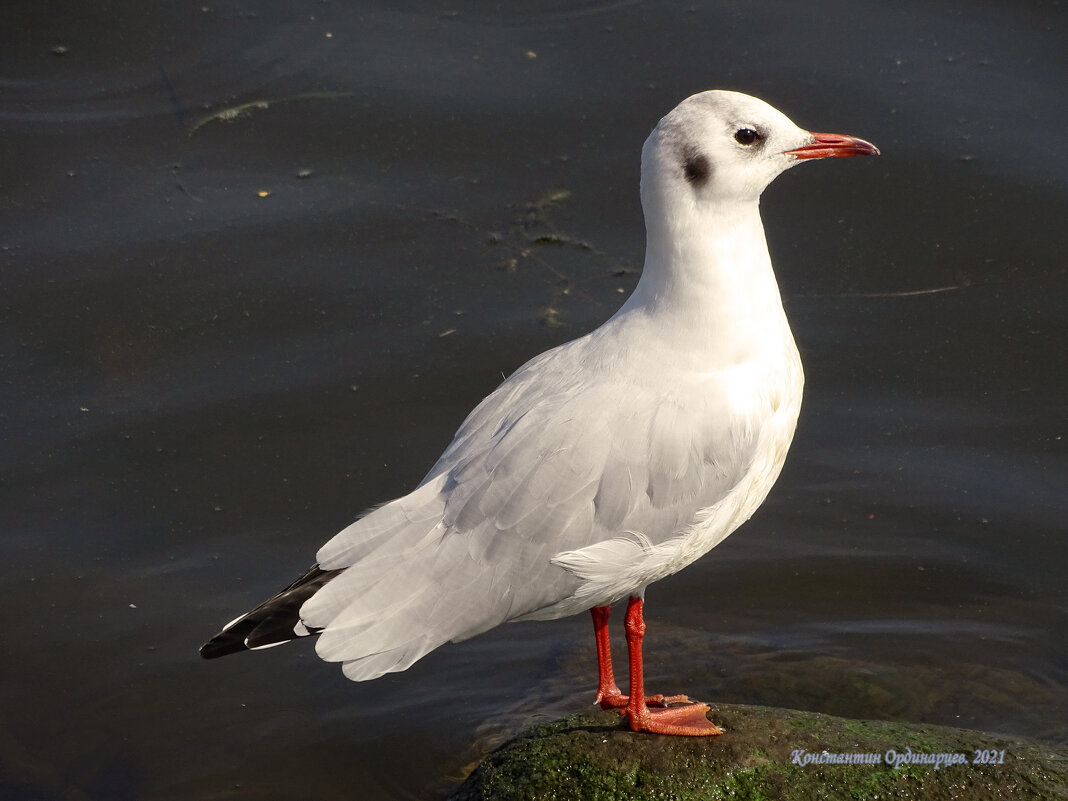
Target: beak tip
{"x":825,"y":145}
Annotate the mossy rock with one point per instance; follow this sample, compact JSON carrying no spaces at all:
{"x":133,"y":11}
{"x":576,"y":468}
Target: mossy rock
{"x":762,"y":755}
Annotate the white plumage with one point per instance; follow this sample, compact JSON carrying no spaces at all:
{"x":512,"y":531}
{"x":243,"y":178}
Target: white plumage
{"x":613,"y":460}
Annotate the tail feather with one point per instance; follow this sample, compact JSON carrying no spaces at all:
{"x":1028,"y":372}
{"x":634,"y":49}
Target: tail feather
{"x":273,"y":622}
{"x":416,"y":604}
{"x":407,"y":526}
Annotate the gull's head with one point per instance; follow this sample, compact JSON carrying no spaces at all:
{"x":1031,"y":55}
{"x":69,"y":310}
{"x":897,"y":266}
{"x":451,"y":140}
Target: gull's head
{"x":725,"y":147}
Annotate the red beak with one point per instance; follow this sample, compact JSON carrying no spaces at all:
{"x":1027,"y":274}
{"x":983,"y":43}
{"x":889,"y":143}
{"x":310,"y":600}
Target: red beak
{"x":826,"y":145}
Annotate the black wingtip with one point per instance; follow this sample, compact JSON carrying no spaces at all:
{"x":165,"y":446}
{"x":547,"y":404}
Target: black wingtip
{"x":231,"y":640}
{"x":272,"y":622}
{"x":213,"y":648}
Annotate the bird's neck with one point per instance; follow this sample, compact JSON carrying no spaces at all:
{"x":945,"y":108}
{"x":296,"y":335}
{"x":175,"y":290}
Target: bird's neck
{"x":710,"y":276}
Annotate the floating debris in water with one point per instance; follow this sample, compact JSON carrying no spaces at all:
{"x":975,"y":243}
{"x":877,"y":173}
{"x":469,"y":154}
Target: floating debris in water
{"x":232,"y":113}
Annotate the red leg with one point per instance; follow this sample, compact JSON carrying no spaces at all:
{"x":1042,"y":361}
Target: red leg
{"x":609,"y":695}
{"x":688,"y":720}
{"x":608,"y":692}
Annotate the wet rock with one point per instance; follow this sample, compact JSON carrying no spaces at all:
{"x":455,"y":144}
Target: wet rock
{"x":766,"y":753}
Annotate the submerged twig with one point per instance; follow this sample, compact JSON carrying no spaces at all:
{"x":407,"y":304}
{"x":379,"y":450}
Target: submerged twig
{"x":231,"y":113}
{"x":937,"y":290}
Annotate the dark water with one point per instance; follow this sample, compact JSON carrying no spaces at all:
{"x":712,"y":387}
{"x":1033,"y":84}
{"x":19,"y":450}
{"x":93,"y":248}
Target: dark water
{"x":200,"y":385}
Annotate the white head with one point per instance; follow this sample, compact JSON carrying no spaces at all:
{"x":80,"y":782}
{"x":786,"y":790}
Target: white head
{"x":725,"y":147}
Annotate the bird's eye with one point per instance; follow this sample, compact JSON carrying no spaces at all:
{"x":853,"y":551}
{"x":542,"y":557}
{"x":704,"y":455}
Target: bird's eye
{"x":746,"y":136}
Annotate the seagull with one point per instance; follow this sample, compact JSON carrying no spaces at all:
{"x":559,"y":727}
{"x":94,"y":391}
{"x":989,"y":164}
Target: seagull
{"x":604,"y":464}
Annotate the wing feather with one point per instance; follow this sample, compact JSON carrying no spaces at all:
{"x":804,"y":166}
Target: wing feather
{"x":559,"y":477}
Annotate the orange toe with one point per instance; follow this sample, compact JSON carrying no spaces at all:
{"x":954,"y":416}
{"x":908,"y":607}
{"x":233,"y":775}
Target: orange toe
{"x":667,"y":700}
{"x":689,"y":721}
{"x":618,"y":701}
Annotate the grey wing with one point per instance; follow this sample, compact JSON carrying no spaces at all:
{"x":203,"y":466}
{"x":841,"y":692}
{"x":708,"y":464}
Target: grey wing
{"x":547,"y":464}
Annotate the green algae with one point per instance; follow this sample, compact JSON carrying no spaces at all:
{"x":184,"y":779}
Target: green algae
{"x":590,"y":757}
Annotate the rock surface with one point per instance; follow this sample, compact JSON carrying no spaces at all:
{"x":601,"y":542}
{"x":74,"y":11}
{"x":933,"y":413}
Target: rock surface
{"x":765,"y":754}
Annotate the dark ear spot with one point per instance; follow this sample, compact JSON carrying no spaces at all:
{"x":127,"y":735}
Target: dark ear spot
{"x":697,"y":168}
